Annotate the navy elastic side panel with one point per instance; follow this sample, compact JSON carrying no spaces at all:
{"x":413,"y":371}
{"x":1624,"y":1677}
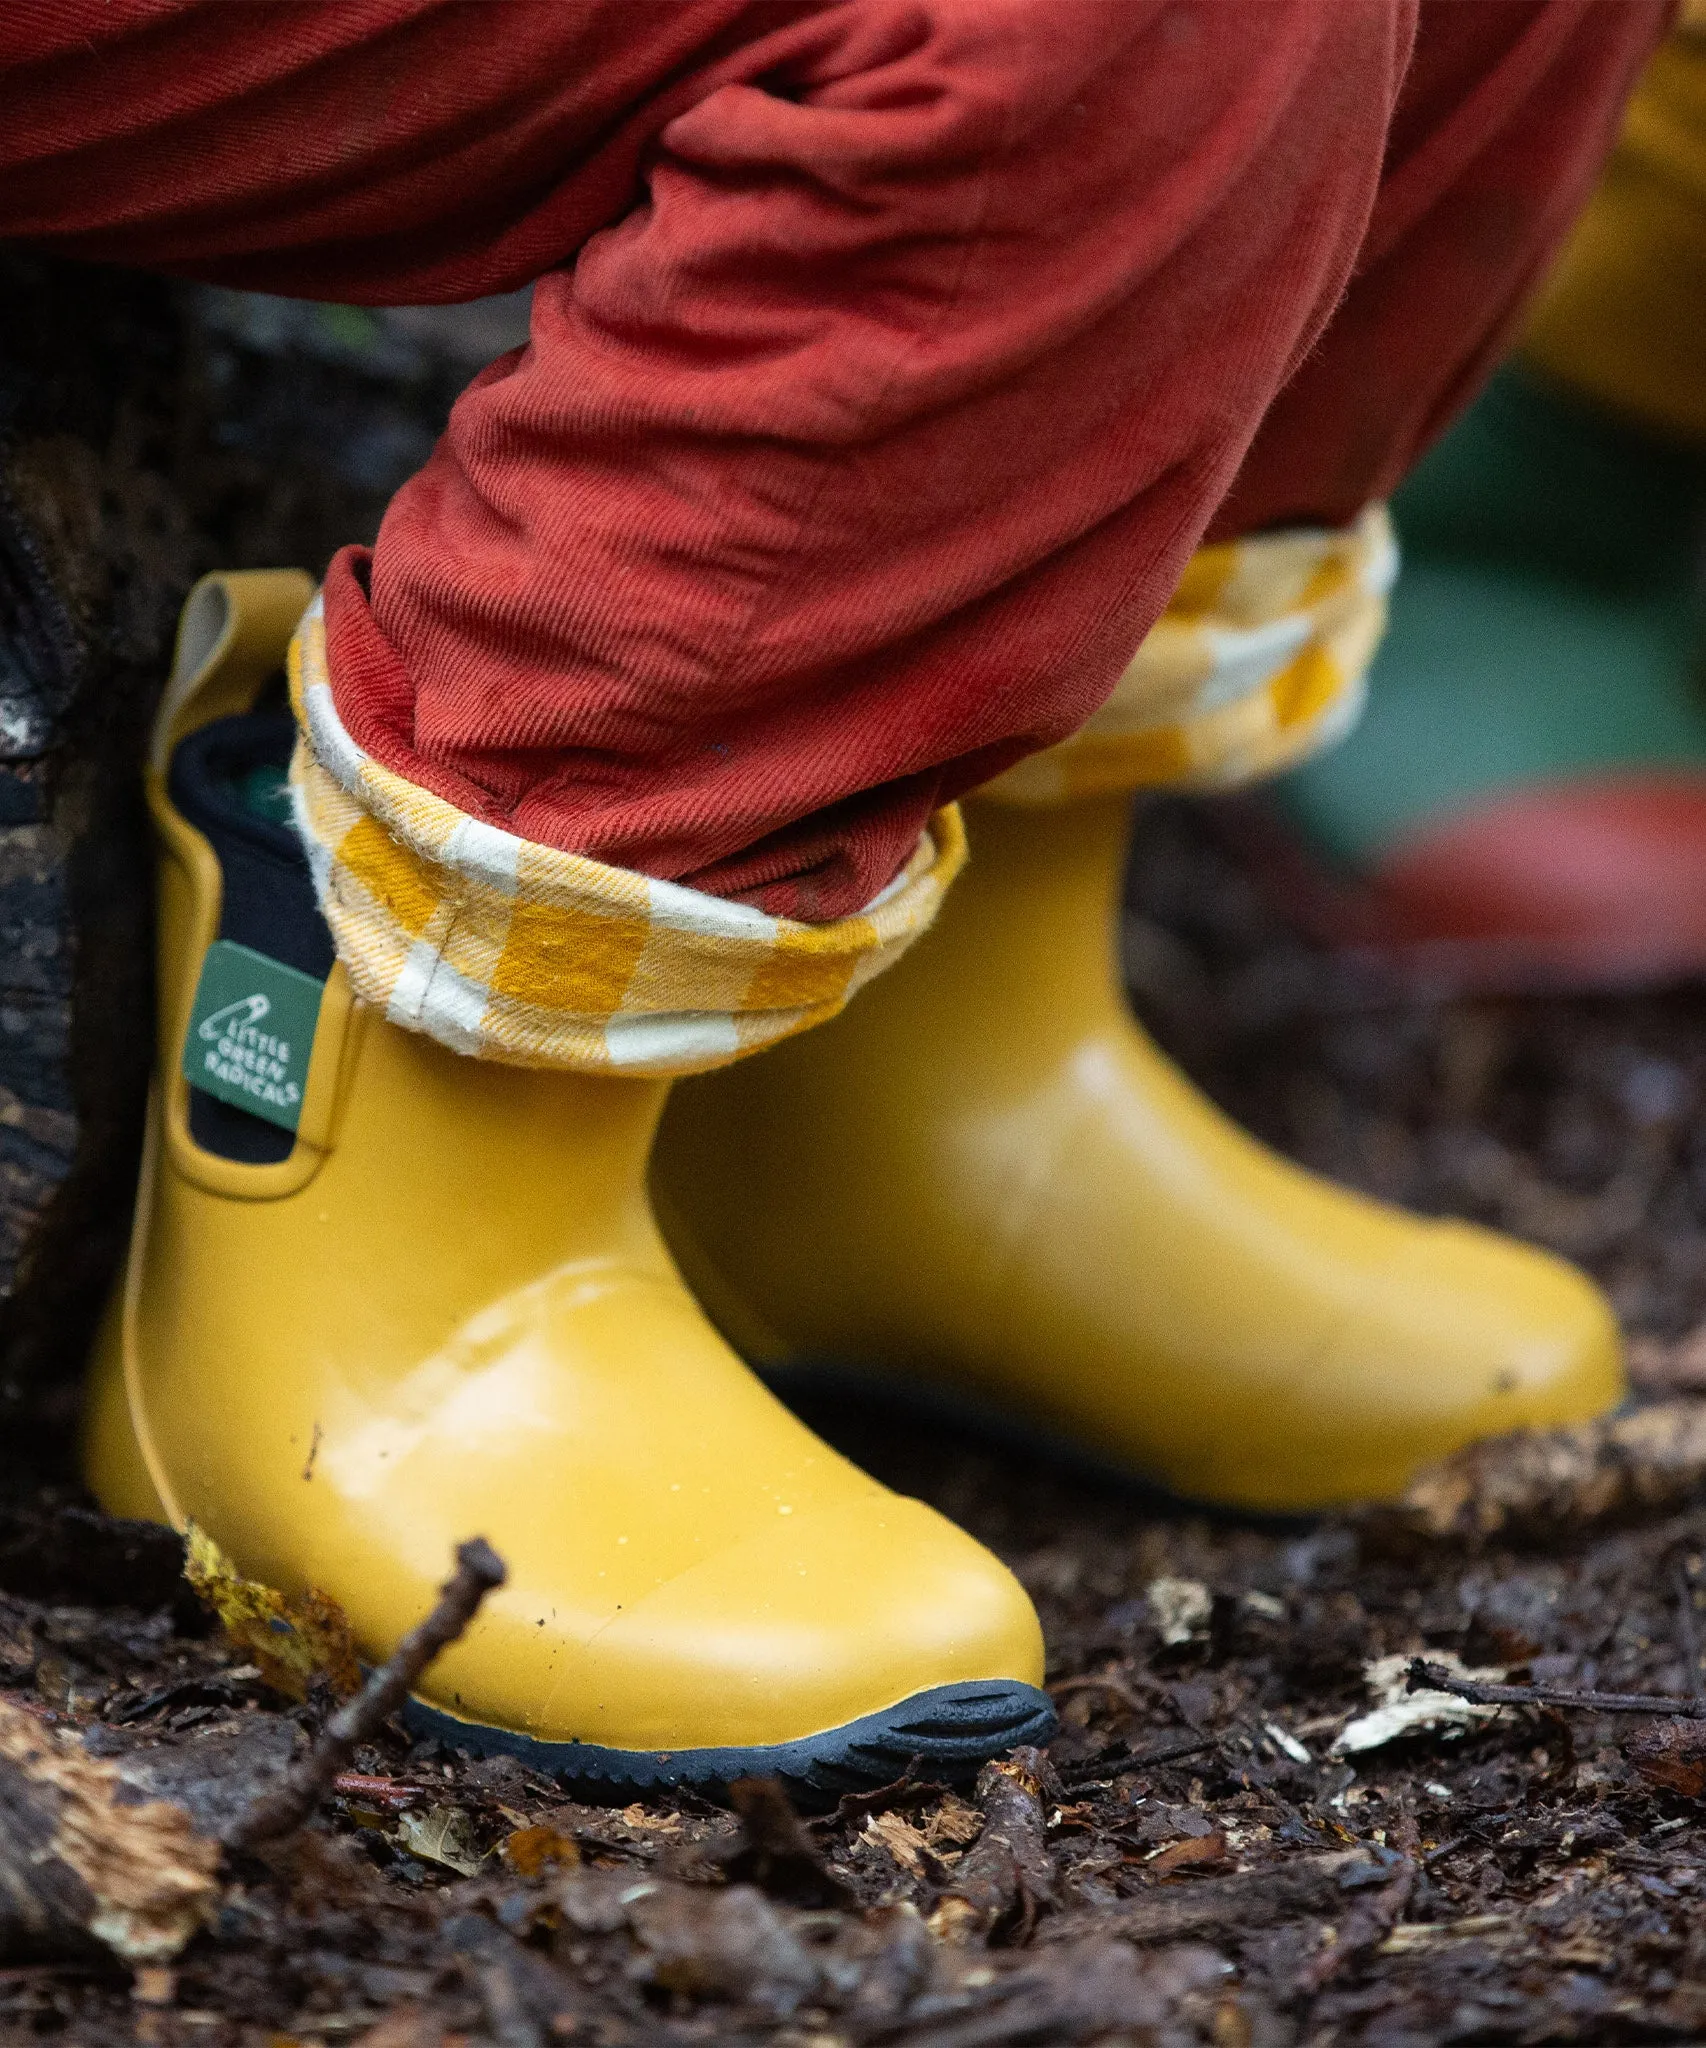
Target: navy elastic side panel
{"x":267,"y":902}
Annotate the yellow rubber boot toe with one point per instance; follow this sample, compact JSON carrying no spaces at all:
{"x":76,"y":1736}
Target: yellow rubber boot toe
{"x":984,"y":1178}
{"x":448,"y":1312}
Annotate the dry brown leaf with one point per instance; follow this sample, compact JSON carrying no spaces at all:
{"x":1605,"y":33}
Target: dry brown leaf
{"x":1672,"y":1754}
{"x":1537,"y":1483}
{"x":404,"y":2026}
{"x":723,"y":1944}
{"x":291,"y":1638}
{"x":443,"y":1835}
{"x":532,"y":1850}
{"x":1194,"y":1851}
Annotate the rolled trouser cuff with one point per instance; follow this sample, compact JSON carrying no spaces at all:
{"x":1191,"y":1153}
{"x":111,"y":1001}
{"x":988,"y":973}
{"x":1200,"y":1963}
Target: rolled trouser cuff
{"x":1260,"y":660}
{"x":508,"y":950}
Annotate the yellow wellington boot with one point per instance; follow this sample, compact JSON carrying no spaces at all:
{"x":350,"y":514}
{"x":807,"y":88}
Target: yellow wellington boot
{"x":381,"y":1298}
{"x":984,"y":1178}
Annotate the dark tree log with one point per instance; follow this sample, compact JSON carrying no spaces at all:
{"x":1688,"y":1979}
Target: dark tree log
{"x":148,"y":432}
{"x":85,"y":1865}
{"x":95,"y":554}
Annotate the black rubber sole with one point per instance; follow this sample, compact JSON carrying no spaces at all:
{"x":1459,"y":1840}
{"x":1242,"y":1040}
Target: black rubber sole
{"x":949,"y":1731}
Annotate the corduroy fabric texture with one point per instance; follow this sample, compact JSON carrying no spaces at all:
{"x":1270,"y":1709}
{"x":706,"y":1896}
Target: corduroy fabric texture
{"x":1260,"y":660}
{"x":889,"y":357}
{"x":508,"y":950}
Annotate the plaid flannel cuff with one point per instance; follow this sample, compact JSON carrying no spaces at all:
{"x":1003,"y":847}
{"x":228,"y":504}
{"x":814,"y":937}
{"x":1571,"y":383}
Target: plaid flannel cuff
{"x":508,"y":950}
{"x":1260,"y":660}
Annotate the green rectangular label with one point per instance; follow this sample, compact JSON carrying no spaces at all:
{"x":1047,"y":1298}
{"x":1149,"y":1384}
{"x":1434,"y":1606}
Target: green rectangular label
{"x":252,"y":1031}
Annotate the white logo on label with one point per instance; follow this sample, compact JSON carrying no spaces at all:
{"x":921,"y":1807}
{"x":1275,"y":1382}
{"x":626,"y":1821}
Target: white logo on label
{"x":246,"y":1057}
{"x":230,"y":1020}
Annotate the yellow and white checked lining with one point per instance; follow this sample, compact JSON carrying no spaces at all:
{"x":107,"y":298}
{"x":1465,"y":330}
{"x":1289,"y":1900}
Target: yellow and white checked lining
{"x":509,"y":950}
{"x":1260,"y":660}
{"x":502,"y":948}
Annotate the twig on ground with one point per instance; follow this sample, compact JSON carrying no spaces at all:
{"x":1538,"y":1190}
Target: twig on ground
{"x":1436,"y":1678}
{"x":1224,"y":1908}
{"x":1115,"y":1688}
{"x":283,"y":1808}
{"x":1170,"y":1752}
{"x":1108,"y":1766}
{"x":1008,"y":1865}
{"x":905,"y":1793}
{"x":773,"y":1850}
{"x":1370,"y":1922}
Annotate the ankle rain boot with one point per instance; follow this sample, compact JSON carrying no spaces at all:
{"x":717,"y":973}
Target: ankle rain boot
{"x":984,"y":1179}
{"x":409,"y":1297}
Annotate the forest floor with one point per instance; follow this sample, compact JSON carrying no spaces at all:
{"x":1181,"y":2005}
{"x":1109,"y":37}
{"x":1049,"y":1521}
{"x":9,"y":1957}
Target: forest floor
{"x":1207,"y":1865}
{"x":1200,"y":1858}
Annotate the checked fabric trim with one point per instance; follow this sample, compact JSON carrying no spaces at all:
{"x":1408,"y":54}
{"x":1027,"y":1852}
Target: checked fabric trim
{"x":508,"y":950}
{"x":1260,"y":660}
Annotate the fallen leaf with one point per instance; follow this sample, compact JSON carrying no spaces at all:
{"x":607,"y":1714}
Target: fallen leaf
{"x":531,"y":1850}
{"x":1544,"y":1482}
{"x":441,"y":1834}
{"x":292,"y":1638}
{"x":1196,"y":1850}
{"x":1672,"y":1754}
{"x":1181,"y":1608}
{"x":1401,"y":1712}
{"x":728,"y":1944}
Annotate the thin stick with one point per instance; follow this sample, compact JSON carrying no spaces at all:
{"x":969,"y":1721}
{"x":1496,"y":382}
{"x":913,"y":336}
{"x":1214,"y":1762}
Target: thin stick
{"x":1435,"y":1678}
{"x":283,"y":1809}
{"x":1104,"y":1769}
{"x":1170,"y":1752}
{"x":1115,"y":1688}
{"x":1372,"y":1920}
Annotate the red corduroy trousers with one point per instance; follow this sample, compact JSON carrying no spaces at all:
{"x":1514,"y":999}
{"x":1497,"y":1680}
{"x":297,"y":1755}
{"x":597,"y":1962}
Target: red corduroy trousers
{"x":889,"y":357}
